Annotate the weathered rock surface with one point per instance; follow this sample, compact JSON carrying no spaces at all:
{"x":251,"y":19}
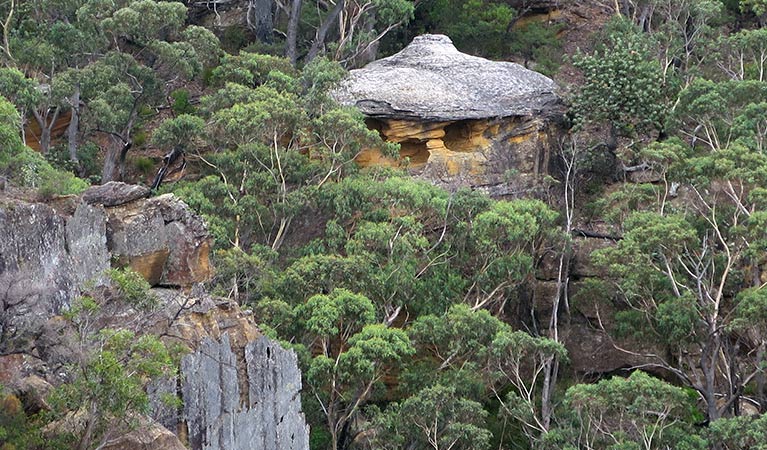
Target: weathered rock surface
{"x":44,"y":259}
{"x":114,"y":193}
{"x":148,"y":435}
{"x":240,"y":389}
{"x":431,"y":81}
{"x":47,"y":254}
{"x":460,"y":120}
{"x":162,"y":239}
{"x":269,"y":418}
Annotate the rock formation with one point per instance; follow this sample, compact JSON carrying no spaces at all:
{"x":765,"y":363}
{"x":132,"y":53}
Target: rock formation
{"x":217,"y":418}
{"x":240,"y":390}
{"x":49,"y":252}
{"x":461,"y":120}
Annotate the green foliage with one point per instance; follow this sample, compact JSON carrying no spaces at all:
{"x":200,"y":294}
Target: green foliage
{"x":654,"y":407}
{"x":475,"y":26}
{"x":181,"y":131}
{"x":538,"y":42}
{"x":739,"y":432}
{"x":759,"y":7}
{"x":181,"y":103}
{"x":142,"y":20}
{"x":249,"y":69}
{"x":106,"y":381}
{"x":338,"y":315}
{"x":623,"y":84}
{"x":20,"y":90}
{"x":132,"y":288}
{"x":17,"y":429}
{"x":234,"y":38}
{"x":27,"y":168}
{"x":435,"y":417}
{"x":355,"y":354}
{"x":143,"y":165}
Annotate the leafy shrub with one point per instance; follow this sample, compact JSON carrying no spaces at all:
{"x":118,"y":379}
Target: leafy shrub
{"x":181,"y":103}
{"x":143,"y":164}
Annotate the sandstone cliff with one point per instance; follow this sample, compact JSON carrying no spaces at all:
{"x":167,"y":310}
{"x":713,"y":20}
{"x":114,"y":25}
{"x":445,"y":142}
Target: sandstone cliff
{"x":237,"y":386}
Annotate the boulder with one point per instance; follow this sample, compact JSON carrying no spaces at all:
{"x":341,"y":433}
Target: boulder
{"x":148,"y":435}
{"x":431,"y":81}
{"x":162,"y":239}
{"x":460,"y":120}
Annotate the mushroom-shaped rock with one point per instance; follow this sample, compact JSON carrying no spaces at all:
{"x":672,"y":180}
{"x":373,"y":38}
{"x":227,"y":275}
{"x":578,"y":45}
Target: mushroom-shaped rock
{"x":460,"y":120}
{"x":430,"y":80}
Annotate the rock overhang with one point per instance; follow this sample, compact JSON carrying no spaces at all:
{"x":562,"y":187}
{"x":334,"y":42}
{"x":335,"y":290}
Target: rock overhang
{"x":431,"y":81}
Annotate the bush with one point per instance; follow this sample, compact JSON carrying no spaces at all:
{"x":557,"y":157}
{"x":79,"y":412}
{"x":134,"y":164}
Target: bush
{"x":538,"y":42}
{"x":27,"y":168}
{"x":143,"y":164}
{"x":181,"y":103}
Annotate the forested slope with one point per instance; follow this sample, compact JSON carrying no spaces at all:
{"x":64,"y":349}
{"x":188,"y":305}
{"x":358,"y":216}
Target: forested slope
{"x":620,"y":303}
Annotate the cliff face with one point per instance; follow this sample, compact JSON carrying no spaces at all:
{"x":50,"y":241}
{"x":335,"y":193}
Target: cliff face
{"x":460,"y":120}
{"x":216,"y":417}
{"x":48,"y":252}
{"x":239,"y":389}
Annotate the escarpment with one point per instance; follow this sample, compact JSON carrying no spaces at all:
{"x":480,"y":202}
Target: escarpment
{"x":238,"y":389}
{"x":461,"y":120}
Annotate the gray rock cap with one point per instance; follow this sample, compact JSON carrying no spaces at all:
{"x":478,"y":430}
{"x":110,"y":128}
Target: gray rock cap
{"x":430,"y":80}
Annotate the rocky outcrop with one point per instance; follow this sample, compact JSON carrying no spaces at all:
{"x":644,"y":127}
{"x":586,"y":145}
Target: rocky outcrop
{"x":431,"y":81}
{"x":239,"y":389}
{"x":45,"y":258}
{"x":148,"y":435}
{"x":49,"y":252}
{"x":162,"y":239}
{"x":460,"y":120}
{"x":114,"y":193}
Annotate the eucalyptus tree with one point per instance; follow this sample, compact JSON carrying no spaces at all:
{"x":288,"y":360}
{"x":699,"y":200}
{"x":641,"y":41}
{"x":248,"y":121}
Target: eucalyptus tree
{"x":680,"y":266}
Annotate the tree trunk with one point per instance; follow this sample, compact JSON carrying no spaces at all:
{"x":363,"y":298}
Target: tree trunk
{"x":45,"y":140}
{"x":291,"y":51}
{"x":114,"y":160}
{"x":322,"y":32}
{"x":123,"y":155}
{"x":708,"y":367}
{"x":46,"y":124}
{"x":73,"y":128}
{"x":167,"y":161}
{"x":262,"y":22}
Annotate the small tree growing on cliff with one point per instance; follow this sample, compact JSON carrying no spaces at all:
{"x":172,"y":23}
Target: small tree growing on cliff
{"x":354,"y":356}
{"x":623,"y":85}
{"x":104,"y":391}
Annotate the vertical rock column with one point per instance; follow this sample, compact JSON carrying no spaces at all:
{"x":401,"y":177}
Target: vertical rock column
{"x":217,"y":418}
{"x":274,"y":382}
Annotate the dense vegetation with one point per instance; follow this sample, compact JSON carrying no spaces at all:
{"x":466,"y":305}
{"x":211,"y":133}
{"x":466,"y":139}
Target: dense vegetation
{"x":406,"y":302}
